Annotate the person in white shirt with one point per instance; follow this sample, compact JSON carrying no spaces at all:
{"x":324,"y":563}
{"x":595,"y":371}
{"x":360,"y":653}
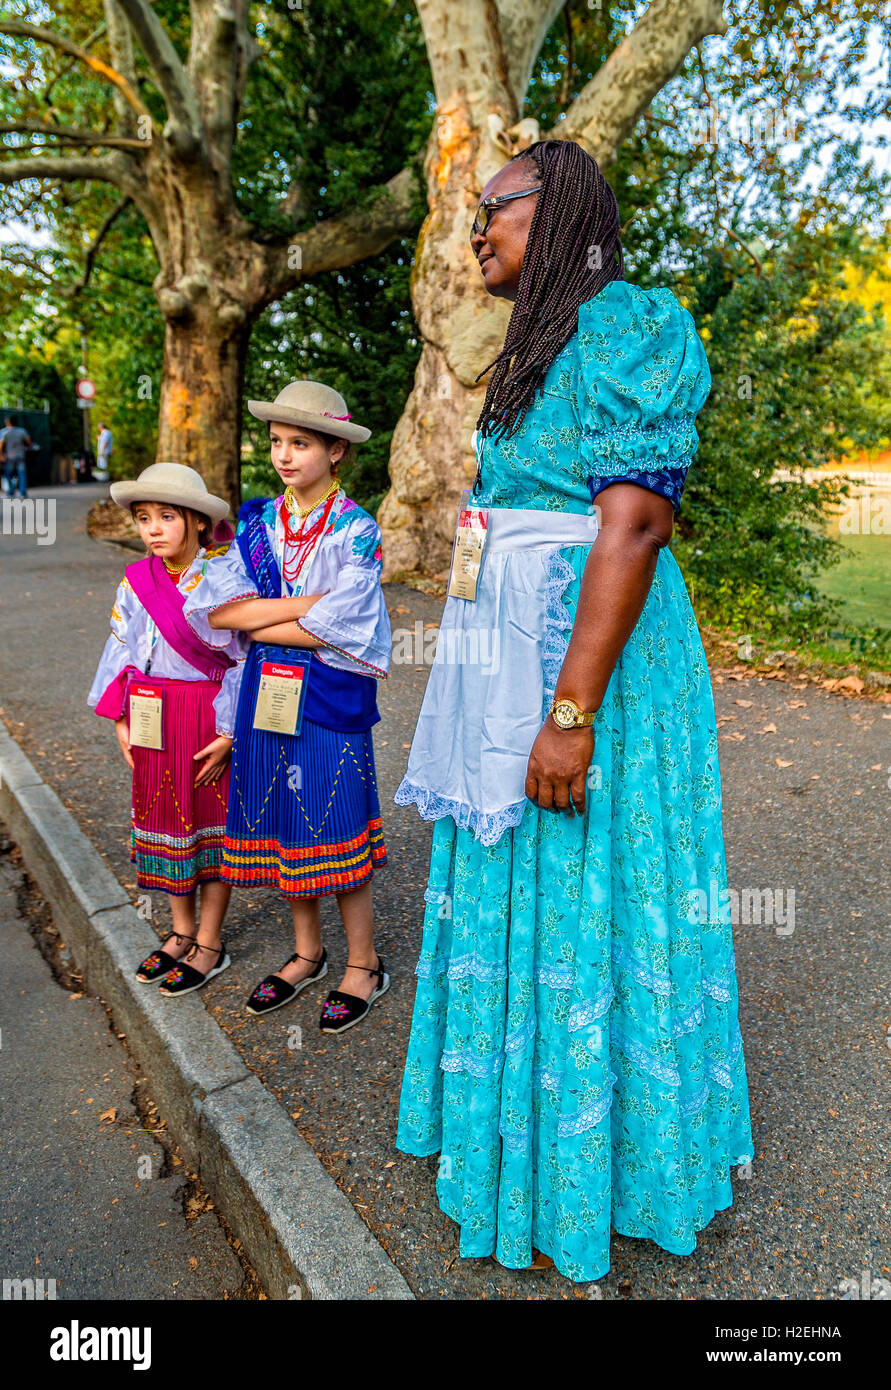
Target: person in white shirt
{"x":104,"y":450}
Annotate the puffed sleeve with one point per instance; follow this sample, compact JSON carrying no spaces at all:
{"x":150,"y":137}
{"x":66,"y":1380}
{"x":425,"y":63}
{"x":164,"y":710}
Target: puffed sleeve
{"x":226,"y":701}
{"x":116,"y":654}
{"x":351,"y":619}
{"x":223,"y":579}
{"x":641,"y":378}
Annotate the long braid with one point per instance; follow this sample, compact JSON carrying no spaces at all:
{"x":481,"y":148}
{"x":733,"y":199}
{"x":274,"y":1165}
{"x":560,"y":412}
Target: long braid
{"x":573,"y":251}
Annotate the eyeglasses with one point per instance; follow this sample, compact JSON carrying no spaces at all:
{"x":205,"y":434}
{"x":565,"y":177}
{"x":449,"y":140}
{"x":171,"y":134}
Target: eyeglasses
{"x":489,"y":206}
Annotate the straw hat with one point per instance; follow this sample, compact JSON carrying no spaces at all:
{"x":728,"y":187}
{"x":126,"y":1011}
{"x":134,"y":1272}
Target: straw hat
{"x":171,"y":482}
{"x":314,"y":405}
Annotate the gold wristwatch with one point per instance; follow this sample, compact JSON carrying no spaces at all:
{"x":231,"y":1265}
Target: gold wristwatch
{"x":566,"y":714}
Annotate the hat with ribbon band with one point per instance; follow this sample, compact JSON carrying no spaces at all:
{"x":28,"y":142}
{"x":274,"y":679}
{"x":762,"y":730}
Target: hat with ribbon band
{"x":314,"y":405}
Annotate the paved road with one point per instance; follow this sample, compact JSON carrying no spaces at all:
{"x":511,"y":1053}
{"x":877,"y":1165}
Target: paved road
{"x":807,"y":800}
{"x":95,"y":1198}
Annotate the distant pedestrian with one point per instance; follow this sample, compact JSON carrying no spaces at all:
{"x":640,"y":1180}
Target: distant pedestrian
{"x":14,"y":442}
{"x":172,"y":699}
{"x":104,"y":448}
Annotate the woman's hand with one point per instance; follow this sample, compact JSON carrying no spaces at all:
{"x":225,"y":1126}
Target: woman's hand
{"x":558,"y":768}
{"x":217,"y":754}
{"x":122,"y":729}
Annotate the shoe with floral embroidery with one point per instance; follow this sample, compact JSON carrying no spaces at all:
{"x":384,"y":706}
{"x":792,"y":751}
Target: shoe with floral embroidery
{"x":273,"y":992}
{"x":342,"y":1011}
{"x":184,"y":978}
{"x":160,"y":963}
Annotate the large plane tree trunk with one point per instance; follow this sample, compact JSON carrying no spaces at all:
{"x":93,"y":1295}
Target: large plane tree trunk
{"x":481,"y":56}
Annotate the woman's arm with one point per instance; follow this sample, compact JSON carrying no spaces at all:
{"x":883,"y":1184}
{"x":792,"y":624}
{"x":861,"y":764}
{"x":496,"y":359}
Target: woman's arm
{"x":285,"y":635}
{"x":635,"y":524}
{"x":250,"y":614}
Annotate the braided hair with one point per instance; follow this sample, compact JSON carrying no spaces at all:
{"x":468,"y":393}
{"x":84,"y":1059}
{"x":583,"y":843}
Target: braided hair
{"x":572,"y":252}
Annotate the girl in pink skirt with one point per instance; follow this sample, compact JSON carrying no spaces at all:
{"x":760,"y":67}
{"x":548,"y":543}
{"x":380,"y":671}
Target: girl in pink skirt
{"x":172,"y":699}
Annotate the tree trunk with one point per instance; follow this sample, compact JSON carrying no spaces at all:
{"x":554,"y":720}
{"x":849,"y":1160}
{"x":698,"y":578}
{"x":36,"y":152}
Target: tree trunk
{"x":482,"y":55}
{"x":200,"y":415}
{"x":461,"y":327}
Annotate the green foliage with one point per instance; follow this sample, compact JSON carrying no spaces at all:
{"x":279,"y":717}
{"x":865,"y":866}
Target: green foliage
{"x":725,"y":209}
{"x":354,"y":330}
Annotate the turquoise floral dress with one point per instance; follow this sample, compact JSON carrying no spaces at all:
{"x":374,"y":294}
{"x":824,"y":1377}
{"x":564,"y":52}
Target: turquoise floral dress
{"x":575,"y":1054}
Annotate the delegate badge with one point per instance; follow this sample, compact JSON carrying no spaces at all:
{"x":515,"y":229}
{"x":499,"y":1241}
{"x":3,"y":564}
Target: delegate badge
{"x":467,"y":551}
{"x":146,"y":715}
{"x":280,"y":697}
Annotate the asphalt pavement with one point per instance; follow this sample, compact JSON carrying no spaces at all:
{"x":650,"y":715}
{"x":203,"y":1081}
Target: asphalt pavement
{"x":96,"y":1200}
{"x":807,"y":793}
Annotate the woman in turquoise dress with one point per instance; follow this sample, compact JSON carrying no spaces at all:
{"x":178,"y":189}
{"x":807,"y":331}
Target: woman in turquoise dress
{"x":575,"y":1055}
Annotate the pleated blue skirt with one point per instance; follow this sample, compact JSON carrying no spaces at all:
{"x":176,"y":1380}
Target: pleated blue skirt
{"x":304,"y":815}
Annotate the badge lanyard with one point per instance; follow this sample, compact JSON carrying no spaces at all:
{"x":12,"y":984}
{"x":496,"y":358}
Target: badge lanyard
{"x":281,"y":693}
{"x":153,"y":638}
{"x":467,"y":550}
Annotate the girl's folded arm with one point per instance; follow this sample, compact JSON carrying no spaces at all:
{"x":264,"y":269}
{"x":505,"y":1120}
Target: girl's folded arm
{"x":249,"y":614}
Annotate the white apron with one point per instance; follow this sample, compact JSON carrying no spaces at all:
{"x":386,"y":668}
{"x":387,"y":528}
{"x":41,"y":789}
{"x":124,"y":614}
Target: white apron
{"x":484,"y":702}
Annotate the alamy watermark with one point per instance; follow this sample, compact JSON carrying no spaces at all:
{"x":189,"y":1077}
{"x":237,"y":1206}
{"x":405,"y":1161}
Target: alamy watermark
{"x":29,"y":516}
{"x":773,"y":907}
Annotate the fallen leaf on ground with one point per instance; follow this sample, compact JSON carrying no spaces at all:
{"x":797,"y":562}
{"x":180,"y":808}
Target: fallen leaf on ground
{"x":852,"y":683}
{"x":769,"y":729}
{"x":779,"y":762}
{"x":111,"y":1114}
{"x":746,"y":704}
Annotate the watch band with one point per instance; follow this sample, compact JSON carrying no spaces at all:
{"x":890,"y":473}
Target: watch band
{"x":580,"y":718}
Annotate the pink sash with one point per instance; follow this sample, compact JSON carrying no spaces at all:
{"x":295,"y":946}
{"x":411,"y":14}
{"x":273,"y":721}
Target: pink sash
{"x":163,"y":601}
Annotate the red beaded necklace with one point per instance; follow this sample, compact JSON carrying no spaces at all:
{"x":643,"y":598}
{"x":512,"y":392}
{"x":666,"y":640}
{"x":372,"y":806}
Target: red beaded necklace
{"x":302,"y":540}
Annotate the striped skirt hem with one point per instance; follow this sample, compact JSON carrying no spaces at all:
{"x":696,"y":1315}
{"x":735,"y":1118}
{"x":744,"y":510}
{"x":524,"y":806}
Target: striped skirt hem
{"x":305,"y":871}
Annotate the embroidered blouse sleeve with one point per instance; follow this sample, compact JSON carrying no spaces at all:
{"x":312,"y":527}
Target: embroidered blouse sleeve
{"x":116,"y":654}
{"x":224,"y":579}
{"x":351,"y":620}
{"x":642,"y":378}
{"x":226,"y":701}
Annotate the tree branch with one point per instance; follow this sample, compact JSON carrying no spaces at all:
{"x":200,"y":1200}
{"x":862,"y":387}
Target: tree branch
{"x":342,"y":241}
{"x":607,"y":109}
{"x":18,"y":28}
{"x":220,"y":54}
{"x":97,"y":241}
{"x":523,"y":30}
{"x":739,"y":241}
{"x":69,"y":134}
{"x":120,"y":44}
{"x":463,"y":39}
{"x":173,"y":83}
{"x":67,"y":170}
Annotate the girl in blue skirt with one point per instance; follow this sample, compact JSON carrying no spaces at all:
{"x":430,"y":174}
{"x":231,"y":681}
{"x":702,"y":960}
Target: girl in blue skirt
{"x":302,"y":580}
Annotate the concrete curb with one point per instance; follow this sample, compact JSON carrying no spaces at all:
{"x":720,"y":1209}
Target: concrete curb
{"x":298,"y":1229}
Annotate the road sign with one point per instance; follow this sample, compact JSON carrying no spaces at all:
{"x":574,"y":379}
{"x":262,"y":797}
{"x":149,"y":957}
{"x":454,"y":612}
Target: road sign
{"x":87,"y":405}
{"x":86,"y":389}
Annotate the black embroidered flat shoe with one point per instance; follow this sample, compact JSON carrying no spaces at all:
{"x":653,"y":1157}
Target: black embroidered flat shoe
{"x":342,"y":1011}
{"x":184,"y":977}
{"x":273,"y":992}
{"x":159,"y":963}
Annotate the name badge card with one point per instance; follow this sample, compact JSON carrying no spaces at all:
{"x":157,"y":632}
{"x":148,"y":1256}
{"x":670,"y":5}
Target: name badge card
{"x":279,"y":704}
{"x":467,"y":551}
{"x":146,"y":715}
